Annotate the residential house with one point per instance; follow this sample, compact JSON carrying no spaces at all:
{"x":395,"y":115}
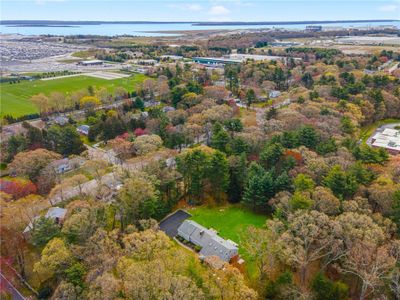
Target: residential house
{"x":210,"y":242}
{"x":54,"y":213}
{"x":274,"y":94}
{"x":83,"y":129}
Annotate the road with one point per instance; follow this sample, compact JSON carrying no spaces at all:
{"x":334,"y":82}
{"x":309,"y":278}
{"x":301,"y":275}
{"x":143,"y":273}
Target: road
{"x":16,"y":295}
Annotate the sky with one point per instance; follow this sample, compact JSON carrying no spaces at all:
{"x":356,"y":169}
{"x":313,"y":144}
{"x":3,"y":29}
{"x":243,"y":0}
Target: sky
{"x":203,"y":10}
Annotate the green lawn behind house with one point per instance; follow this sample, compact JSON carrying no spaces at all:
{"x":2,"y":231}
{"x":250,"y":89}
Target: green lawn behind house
{"x":15,"y":98}
{"x":231,"y":222}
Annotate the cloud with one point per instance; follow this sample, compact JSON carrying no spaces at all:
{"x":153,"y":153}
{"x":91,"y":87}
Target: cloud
{"x":187,"y":6}
{"x":389,"y":8}
{"x":219,"y":10}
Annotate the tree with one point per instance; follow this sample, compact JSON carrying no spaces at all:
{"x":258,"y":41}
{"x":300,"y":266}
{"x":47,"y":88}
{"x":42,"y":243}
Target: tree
{"x":308,"y":137}
{"x":58,"y":101}
{"x":64,"y":140}
{"x":192,"y":164}
{"x":89,"y":103}
{"x":342,"y":185}
{"x":44,"y":229}
{"x":15,"y":144}
{"x":308,"y":237}
{"x":42,"y":102}
{"x":395,"y":216}
{"x":233,"y":125}
{"x":326,"y":289}
{"x":147,"y":143}
{"x":307,"y":80}
{"x":237,"y":177}
{"x":250,"y":97}
{"x":304,"y":183}
{"x":259,"y":187}
{"x":78,"y":227}
{"x":103,"y":95}
{"x":300,"y":201}
{"x":138,"y":104}
{"x":177,"y":94}
{"x":218,"y":175}
{"x":30,"y":163}
{"x":271,"y":155}
{"x":135,"y":193}
{"x":55,"y":258}
{"x":325,"y":201}
{"x":219,"y":138}
{"x":120,"y":93}
{"x":371,"y":264}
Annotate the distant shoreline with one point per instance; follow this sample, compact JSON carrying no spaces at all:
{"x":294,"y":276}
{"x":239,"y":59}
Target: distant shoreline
{"x":52,"y":23}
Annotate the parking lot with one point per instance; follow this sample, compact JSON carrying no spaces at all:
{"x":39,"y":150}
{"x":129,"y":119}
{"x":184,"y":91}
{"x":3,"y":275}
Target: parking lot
{"x":171,"y":223}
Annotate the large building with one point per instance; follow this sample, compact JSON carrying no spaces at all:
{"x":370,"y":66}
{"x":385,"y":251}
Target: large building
{"x":94,"y":62}
{"x":388,"y":139}
{"x":210,"y":242}
{"x":236,"y":58}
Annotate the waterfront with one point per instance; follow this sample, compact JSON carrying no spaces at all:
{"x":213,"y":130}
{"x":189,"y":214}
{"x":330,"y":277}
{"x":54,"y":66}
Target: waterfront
{"x":159,"y":29}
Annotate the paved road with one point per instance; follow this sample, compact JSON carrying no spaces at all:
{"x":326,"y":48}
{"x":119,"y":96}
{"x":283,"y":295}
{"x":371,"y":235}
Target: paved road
{"x":16,"y":295}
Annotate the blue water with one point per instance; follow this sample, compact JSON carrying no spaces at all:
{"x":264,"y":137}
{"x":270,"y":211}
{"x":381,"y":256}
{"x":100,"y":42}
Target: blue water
{"x":151,"y":29}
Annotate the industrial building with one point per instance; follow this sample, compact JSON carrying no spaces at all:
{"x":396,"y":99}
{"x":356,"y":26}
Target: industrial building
{"x":314,"y":28}
{"x":388,"y":139}
{"x":90,"y":62}
{"x":236,"y":58}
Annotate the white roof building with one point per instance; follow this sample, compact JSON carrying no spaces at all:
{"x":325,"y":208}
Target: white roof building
{"x":388,"y":139}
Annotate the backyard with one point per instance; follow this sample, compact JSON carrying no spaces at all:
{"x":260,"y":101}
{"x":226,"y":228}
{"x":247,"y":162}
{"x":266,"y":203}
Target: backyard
{"x":15,"y":98}
{"x":231,"y":222}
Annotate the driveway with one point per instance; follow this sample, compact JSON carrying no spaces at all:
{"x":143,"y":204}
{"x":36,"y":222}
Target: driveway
{"x":171,"y":223}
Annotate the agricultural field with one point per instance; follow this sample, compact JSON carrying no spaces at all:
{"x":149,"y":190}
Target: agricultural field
{"x":231,"y":222}
{"x":15,"y":98}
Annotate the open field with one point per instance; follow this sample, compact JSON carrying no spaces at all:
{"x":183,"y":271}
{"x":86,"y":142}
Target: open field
{"x":15,"y":98}
{"x":231,"y":222}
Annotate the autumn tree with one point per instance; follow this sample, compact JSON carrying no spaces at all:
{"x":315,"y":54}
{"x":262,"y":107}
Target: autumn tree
{"x":30,"y":163}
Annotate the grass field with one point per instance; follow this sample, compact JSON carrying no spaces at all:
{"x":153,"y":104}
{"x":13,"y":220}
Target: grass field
{"x":15,"y":98}
{"x":231,"y":222}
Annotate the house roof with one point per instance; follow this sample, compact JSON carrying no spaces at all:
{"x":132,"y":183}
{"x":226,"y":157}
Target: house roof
{"x":52,"y":213}
{"x":59,"y":162}
{"x":56,"y":212}
{"x":212,"y":244}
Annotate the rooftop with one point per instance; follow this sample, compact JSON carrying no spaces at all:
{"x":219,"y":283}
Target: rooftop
{"x":210,"y":242}
{"x":388,"y":139}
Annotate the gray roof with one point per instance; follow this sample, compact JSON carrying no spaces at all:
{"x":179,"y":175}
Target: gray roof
{"x":84,"y":127}
{"x":59,"y":162}
{"x":56,"y":212}
{"x":52,"y":213}
{"x":209,"y":241}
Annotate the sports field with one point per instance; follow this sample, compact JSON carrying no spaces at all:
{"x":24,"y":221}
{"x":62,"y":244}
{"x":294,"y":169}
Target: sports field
{"x":15,"y":98}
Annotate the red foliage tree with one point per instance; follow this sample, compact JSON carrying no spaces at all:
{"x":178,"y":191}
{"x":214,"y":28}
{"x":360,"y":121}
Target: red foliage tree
{"x":140,"y":131}
{"x":17,"y":189}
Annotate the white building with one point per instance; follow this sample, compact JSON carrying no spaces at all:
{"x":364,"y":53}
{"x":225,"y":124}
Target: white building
{"x":388,"y":139}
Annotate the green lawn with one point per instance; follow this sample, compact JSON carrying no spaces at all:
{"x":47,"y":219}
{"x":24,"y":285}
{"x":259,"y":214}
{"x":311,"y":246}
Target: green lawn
{"x":231,"y":222}
{"x":15,"y":98}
